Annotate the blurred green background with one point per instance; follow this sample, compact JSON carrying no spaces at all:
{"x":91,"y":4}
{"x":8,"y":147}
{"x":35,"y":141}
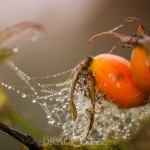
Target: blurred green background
{"x":68,"y":26}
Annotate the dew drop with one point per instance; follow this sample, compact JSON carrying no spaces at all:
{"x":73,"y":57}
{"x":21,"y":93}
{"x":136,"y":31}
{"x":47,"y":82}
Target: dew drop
{"x":58,"y":123}
{"x":24,"y":95}
{"x":48,"y":116}
{"x":35,"y":93}
{"x":16,"y":68}
{"x":34,"y":101}
{"x":9,"y":87}
{"x":59,"y":93}
{"x":51,"y":121}
{"x":63,"y":105}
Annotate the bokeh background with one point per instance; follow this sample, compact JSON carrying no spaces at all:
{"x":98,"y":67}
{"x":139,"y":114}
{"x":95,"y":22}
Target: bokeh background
{"x":68,"y":26}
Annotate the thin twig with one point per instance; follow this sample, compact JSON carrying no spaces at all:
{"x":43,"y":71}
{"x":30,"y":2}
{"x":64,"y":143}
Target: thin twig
{"x":27,"y":140}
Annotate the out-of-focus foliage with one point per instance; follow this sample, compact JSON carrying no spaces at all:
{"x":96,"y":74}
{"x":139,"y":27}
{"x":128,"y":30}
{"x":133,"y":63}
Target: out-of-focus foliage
{"x":3,"y":99}
{"x":5,"y":54}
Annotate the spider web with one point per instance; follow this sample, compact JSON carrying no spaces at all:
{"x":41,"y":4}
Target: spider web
{"x":51,"y":93}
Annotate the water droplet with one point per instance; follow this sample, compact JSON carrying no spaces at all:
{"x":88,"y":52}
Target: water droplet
{"x":34,"y":101}
{"x":9,"y":87}
{"x":58,"y":123}
{"x":18,"y":91}
{"x":16,"y":68}
{"x":51,"y":121}
{"x":63,"y":105}
{"x":49,"y":116}
{"x":59,"y":93}
{"x":28,"y":78}
{"x":24,"y":95}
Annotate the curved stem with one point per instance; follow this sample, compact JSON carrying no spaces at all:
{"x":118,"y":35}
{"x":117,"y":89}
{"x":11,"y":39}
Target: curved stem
{"x":27,"y":140}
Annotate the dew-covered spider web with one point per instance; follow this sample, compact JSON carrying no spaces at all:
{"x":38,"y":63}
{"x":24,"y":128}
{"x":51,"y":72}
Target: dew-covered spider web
{"x":51,"y":93}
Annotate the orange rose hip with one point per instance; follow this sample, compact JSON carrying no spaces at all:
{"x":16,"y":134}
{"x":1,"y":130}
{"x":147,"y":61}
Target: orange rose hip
{"x":113,"y":77}
{"x":140,"y":65}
